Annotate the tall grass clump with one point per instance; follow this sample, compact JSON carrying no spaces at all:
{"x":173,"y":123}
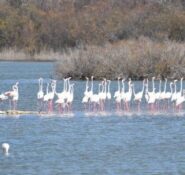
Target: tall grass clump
{"x":135,"y":58}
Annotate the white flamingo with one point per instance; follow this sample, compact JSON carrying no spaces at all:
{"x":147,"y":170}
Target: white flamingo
{"x":48,"y":97}
{"x":70,"y":96}
{"x":117,"y":93}
{"x":179,"y":94}
{"x":168,"y":95}
{"x":40,"y":93}
{"x":128,"y":95}
{"x":158,"y":94}
{"x":5,"y":147}
{"x":180,"y":100}
{"x":13,"y":95}
{"x":95,"y":99}
{"x":109,"y":96}
{"x":85,"y":98}
{"x":91,"y":91}
{"x":139,"y":95}
{"x":174,"y":95}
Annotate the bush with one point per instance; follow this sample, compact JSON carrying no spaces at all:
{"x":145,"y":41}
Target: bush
{"x":129,"y":58}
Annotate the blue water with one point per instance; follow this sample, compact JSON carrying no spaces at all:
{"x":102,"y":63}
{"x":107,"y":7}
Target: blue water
{"x":81,"y":144}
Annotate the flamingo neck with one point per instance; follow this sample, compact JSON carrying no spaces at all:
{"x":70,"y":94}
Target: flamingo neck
{"x":109,"y":86}
{"x":153,"y":84}
{"x":87,"y":82}
{"x":118,"y":85}
{"x":175,"y":88}
{"x":123,"y":86}
{"x":143,"y":88}
{"x":171,"y":89}
{"x":105,"y":87}
{"x":181,"y":86}
{"x":92,"y":84}
{"x":165,"y":86}
{"x":160,"y":86}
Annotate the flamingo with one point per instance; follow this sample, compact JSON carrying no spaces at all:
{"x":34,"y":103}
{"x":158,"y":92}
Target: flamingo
{"x":40,"y":94}
{"x":122,"y":93}
{"x":163,"y":94}
{"x":60,"y":102}
{"x":174,"y":95}
{"x":128,"y":95}
{"x":117,"y":93}
{"x":51,"y":95}
{"x":109,"y":96}
{"x":158,"y":95}
{"x":13,"y":95}
{"x":138,"y":96}
{"x":150,"y":96}
{"x":146,"y":91}
{"x":86,"y":94}
{"x":95,"y":99}
{"x":71,"y":96}
{"x":63,"y":94}
{"x":180,"y":100}
{"x":179,"y":94}
{"x":5,"y":147}
{"x":108,"y":92}
{"x":3,"y":97}
{"x":168,"y":95}
{"x":45,"y":98}
{"x":153,"y":86}
{"x":152,"y":99}
{"x":48,"y":97}
{"x":102,"y":95}
{"x":91,"y":91}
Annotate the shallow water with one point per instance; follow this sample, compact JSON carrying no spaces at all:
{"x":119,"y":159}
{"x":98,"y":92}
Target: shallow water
{"x":85,"y":143}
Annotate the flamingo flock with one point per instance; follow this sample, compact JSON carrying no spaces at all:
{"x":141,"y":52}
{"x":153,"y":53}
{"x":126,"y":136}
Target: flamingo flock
{"x":150,"y":96}
{"x":64,"y":99}
{"x":154,"y":98}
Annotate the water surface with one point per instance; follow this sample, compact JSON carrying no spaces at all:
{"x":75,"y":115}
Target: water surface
{"x":110,"y":143}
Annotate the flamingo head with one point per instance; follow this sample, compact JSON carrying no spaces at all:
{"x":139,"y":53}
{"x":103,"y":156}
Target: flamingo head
{"x":175,"y":81}
{"x":123,"y":80}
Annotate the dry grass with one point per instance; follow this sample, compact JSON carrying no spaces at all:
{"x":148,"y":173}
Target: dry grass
{"x":128,"y":58}
{"x":17,"y":55}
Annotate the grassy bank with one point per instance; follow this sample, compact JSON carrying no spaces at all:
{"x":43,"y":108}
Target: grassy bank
{"x":20,"y":55}
{"x":135,"y":58}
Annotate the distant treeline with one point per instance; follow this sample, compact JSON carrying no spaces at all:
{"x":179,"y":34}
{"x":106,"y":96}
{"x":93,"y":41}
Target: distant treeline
{"x":35,"y":25}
